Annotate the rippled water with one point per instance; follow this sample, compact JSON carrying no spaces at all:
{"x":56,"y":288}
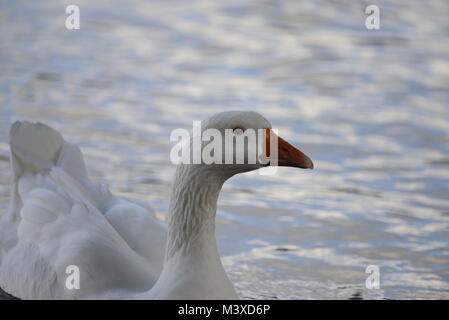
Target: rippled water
{"x":369,"y":107}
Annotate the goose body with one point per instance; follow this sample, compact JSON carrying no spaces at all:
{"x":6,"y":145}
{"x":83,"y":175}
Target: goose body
{"x":58,"y":218}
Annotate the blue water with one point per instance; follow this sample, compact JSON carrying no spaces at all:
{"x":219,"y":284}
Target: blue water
{"x":369,"y":107}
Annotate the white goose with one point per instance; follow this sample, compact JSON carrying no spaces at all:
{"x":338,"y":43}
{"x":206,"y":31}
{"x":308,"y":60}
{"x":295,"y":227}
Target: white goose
{"x":59,"y":218}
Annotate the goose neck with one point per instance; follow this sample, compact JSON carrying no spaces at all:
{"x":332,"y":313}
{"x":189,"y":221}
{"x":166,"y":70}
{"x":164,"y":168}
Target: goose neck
{"x":192,"y":211}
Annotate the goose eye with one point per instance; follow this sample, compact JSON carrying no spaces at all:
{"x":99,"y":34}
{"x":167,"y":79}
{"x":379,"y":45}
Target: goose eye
{"x":238,"y":130}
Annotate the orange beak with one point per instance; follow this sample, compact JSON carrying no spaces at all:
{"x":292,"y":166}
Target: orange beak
{"x":287,"y":155}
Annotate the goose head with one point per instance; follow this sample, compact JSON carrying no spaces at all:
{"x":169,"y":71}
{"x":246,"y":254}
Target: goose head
{"x":221,"y":152}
